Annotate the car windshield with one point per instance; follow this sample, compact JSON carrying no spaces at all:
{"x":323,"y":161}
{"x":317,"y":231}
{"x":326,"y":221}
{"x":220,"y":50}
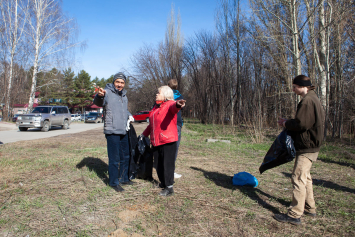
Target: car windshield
{"x":43,"y":110}
{"x":93,"y":114}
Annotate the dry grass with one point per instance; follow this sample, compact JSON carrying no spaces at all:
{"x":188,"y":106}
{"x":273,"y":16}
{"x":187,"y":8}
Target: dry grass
{"x":58,"y":187}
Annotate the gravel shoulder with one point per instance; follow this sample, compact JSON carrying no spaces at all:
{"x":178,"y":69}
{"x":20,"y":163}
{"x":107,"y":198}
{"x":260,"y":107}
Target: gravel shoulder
{"x":6,"y":126}
{"x":10,"y":133}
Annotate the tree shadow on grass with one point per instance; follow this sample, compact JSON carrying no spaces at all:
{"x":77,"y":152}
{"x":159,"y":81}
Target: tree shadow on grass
{"x":326,"y":184}
{"x":96,"y":165}
{"x":342,"y":163}
{"x":255,"y":194}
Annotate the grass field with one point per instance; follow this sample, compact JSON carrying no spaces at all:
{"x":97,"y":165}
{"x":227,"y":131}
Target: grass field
{"x":58,"y":187}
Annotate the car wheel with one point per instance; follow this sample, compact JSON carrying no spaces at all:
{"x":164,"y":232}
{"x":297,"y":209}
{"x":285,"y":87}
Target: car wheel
{"x":65,"y":125}
{"x":45,"y":127}
{"x":22,"y":129}
{"x":147,"y":120}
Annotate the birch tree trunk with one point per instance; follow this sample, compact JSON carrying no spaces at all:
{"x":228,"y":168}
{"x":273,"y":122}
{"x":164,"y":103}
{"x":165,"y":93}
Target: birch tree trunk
{"x":295,"y":36}
{"x":321,"y":51}
{"x":239,"y":83}
{"x":51,"y":32}
{"x":12,"y":36}
{"x":322,"y":55}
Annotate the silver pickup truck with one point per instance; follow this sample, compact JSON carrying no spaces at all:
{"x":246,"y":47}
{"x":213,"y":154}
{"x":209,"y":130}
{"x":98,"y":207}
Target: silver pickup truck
{"x":45,"y":117}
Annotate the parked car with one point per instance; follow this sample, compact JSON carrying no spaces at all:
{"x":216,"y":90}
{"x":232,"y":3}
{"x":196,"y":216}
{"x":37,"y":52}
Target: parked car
{"x":14,"y":119}
{"x":45,"y":117}
{"x":142,"y":116}
{"x":75,"y":117}
{"x":93,"y":117}
{"x":82,"y":117}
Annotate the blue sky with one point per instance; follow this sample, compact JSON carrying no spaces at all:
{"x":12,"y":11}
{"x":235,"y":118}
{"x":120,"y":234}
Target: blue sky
{"x":115,"y":29}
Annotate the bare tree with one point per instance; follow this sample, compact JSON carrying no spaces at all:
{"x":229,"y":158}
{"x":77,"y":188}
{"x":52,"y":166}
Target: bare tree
{"x":14,"y":16}
{"x":156,"y":65}
{"x":254,"y":58}
{"x":279,"y":20}
{"x":224,"y":26}
{"x":50,"y":33}
{"x":173,"y":46}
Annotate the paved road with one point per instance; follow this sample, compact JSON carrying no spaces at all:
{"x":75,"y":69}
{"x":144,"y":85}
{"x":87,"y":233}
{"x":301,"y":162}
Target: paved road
{"x":10,"y":133}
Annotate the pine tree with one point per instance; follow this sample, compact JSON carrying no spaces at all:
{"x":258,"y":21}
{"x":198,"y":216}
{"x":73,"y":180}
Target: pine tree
{"x":99,"y":82}
{"x":49,"y":84}
{"x":68,"y":87}
{"x":83,"y":90}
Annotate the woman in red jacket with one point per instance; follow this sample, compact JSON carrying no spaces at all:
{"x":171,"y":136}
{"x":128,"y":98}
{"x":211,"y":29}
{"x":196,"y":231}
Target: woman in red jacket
{"x":162,"y":129}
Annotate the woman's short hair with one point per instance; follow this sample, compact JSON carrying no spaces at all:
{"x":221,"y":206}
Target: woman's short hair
{"x":167,"y":92}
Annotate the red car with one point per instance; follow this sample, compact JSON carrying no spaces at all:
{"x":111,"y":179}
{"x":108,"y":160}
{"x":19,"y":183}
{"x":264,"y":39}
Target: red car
{"x":142,"y":116}
{"x":14,"y":119}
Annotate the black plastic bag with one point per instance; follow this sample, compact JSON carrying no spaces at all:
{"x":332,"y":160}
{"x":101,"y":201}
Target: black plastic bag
{"x":142,"y":160}
{"x":280,"y":152}
{"x":133,"y":140}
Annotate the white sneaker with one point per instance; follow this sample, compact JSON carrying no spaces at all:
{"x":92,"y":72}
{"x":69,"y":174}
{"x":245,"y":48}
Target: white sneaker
{"x":176,"y":176}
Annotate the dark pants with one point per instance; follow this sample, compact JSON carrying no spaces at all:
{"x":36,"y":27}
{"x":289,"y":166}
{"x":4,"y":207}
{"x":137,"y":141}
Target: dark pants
{"x":165,"y":155}
{"x":118,"y":158}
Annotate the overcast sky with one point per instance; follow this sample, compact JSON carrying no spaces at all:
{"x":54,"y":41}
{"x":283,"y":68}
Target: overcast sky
{"x":115,"y":29}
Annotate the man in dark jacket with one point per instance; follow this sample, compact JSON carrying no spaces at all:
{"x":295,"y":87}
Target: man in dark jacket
{"x":117,"y":118}
{"x":173,"y":84}
{"x":307,"y":131}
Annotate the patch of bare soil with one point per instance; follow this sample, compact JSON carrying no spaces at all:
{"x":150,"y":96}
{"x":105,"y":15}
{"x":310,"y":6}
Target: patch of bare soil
{"x":121,"y":233}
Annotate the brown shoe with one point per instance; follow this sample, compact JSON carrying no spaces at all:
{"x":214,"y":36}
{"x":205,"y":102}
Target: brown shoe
{"x":309,"y":214}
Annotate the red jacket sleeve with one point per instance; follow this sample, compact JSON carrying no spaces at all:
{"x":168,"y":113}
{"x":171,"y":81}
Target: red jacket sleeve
{"x":173,"y":109}
{"x":146,"y":132}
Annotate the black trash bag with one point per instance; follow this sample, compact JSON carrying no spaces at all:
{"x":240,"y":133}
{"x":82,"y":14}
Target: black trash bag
{"x":280,"y":152}
{"x":133,"y":140}
{"x":142,"y":160}
{"x":143,"y":143}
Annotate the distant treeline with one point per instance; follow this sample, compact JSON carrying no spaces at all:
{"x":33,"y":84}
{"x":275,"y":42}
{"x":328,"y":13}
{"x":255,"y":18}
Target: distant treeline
{"x":239,"y":74}
{"x":242,"y":72}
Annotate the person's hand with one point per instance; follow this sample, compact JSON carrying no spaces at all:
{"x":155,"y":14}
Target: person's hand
{"x":100,"y":91}
{"x":130,"y":120}
{"x":180,"y":103}
{"x":141,"y":137}
{"x":281,"y":122}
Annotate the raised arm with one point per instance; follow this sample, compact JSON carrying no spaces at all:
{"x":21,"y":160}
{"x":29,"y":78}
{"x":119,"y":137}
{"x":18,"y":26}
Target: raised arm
{"x":100,"y":97}
{"x":175,"y":107}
